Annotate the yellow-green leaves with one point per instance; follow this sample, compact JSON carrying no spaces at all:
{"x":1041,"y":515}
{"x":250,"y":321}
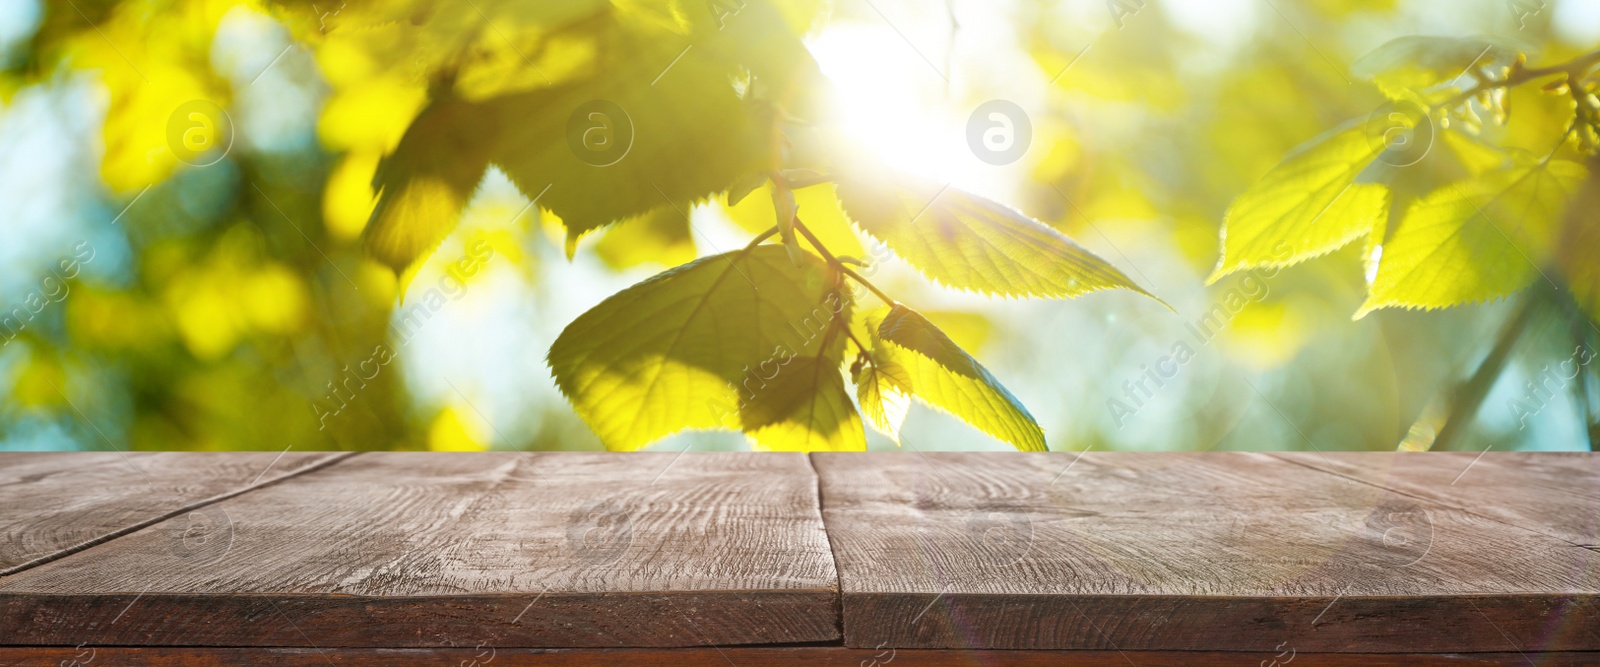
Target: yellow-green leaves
{"x":1476,"y":240}
{"x":1308,"y":205}
{"x":653,"y":105}
{"x":971,"y":243}
{"x":745,"y":340}
{"x":919,"y":359}
{"x":883,"y":386}
{"x":424,"y":185}
{"x":806,"y":408}
{"x":1408,"y":65}
{"x":1482,"y":237}
{"x":883,"y":389}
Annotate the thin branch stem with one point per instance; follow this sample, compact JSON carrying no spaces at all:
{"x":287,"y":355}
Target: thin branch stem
{"x":887,"y":300}
{"x":838,"y":265}
{"x":1574,"y":70}
{"x":853,"y":339}
{"x":1469,"y":395}
{"x":762,"y":237}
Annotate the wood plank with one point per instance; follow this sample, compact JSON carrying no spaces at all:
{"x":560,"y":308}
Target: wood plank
{"x":1211,"y":552}
{"x":529,"y":550}
{"x":816,"y":656}
{"x":1553,"y":493}
{"x":56,"y":503}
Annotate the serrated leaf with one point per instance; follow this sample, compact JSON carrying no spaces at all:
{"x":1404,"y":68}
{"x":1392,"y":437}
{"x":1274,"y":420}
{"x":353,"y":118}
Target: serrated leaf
{"x":1473,"y":241}
{"x":1306,"y":206}
{"x":423,"y":186}
{"x":661,"y":236}
{"x":883,"y":387}
{"x":662,"y":85}
{"x":968,"y":242}
{"x":880,"y":389}
{"x":943,"y":375}
{"x":806,"y":408}
{"x":1407,"y":65}
{"x":714,"y":344}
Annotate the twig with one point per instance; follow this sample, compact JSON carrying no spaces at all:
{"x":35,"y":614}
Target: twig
{"x":839,"y":266}
{"x":1573,"y":69}
{"x":758,"y":239}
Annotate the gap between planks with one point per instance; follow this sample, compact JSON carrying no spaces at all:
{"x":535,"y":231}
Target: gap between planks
{"x":833,"y":552}
{"x":179,"y":511}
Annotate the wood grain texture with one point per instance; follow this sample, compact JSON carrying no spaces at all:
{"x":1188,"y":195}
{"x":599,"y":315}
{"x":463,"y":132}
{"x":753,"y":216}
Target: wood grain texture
{"x":400,"y":549}
{"x":1552,"y":493}
{"x":816,"y":656}
{"x":55,"y":503}
{"x":1216,"y":551}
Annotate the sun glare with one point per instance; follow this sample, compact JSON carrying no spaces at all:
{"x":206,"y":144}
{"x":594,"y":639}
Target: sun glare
{"x":890,"y":104}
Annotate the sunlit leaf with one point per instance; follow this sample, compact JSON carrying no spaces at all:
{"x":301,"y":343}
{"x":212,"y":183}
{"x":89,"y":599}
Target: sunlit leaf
{"x":731,"y":341}
{"x":661,"y":236}
{"x":946,"y":377}
{"x":423,"y":186}
{"x":1403,"y":66}
{"x":1474,"y":155}
{"x":968,"y":242}
{"x":806,"y":408}
{"x":1308,"y":205}
{"x":883,"y":387}
{"x":1476,"y":240}
{"x":656,"y":117}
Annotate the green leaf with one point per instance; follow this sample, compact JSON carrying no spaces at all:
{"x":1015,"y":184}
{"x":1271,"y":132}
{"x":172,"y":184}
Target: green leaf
{"x":661,"y":236}
{"x":743,"y":340}
{"x":1408,"y":65}
{"x":680,"y":141}
{"x":941,"y":374}
{"x":883,"y":387}
{"x":968,"y":242}
{"x":806,"y":408}
{"x":1306,"y":206}
{"x":1476,"y":240}
{"x":423,"y":186}
{"x":669,"y":86}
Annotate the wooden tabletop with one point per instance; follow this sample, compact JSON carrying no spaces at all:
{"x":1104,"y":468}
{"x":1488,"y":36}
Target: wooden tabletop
{"x":837,"y":556}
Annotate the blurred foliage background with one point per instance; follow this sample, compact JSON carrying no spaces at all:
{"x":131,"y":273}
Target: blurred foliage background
{"x":180,"y":294}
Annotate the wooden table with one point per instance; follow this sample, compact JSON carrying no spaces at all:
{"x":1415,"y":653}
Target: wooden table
{"x":829,"y":559}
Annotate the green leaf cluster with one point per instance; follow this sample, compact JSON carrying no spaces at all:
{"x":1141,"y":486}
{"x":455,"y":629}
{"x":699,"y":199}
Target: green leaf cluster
{"x":708,"y":99}
{"x":1489,"y":227}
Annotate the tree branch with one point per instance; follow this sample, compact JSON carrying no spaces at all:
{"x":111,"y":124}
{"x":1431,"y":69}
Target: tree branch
{"x":839,"y":266}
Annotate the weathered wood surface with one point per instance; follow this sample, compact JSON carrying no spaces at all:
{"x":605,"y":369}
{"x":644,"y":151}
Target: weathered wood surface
{"x":815,"y":656}
{"x":1113,"y":558}
{"x":1553,"y":493}
{"x":56,"y":503}
{"x":420,"y":549}
{"x":1217,"y":551}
